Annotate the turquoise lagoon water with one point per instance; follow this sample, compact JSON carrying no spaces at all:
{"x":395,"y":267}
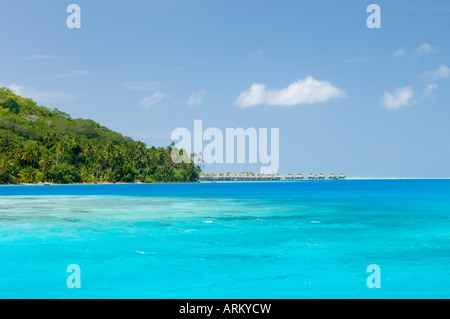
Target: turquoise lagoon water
{"x":227,"y":240}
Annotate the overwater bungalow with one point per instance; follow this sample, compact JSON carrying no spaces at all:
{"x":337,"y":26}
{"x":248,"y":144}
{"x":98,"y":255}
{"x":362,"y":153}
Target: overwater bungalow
{"x":262,"y":177}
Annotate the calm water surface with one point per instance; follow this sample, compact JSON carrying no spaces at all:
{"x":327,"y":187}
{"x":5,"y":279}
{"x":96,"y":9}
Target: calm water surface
{"x":227,"y":240}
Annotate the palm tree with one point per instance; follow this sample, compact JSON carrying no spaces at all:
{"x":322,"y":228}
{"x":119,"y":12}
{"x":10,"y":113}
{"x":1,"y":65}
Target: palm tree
{"x":6,"y":163}
{"x":28,"y":175}
{"x":30,"y":154}
{"x":87,"y":153}
{"x":44,"y":163}
{"x":62,"y":150}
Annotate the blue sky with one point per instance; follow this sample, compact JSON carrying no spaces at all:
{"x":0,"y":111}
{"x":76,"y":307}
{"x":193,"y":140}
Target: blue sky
{"x":144,"y":68}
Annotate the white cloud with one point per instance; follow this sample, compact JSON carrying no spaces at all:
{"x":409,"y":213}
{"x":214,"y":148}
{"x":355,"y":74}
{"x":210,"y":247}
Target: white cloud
{"x":196,"y":98}
{"x":420,"y":51}
{"x":425,"y":49}
{"x":399,"y":98}
{"x":441,"y":72}
{"x":39,"y":57}
{"x":76,"y":73}
{"x":18,"y":89}
{"x":141,"y":86}
{"x":149,"y":101}
{"x":399,"y":52}
{"x":38,"y":95}
{"x":429,"y":89}
{"x":306,"y":91}
{"x":256,"y":56}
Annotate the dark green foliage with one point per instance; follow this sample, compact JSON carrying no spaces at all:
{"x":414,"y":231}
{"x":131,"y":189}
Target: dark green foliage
{"x":12,"y":105}
{"x":62,"y":174}
{"x":5,"y":178}
{"x":42,"y":145}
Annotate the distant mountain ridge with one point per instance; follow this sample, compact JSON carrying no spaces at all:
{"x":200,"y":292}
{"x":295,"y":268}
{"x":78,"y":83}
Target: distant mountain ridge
{"x":39,"y":145}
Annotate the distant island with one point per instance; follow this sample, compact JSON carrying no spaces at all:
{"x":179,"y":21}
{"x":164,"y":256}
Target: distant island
{"x":40,"y":145}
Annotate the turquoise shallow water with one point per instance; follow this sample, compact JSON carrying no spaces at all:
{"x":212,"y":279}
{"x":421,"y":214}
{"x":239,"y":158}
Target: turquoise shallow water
{"x":227,"y":240}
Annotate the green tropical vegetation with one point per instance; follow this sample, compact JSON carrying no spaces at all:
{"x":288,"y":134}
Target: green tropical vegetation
{"x":39,"y":145}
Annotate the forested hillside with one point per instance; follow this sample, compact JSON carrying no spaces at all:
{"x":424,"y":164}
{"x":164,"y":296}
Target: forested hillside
{"x":42,"y":145}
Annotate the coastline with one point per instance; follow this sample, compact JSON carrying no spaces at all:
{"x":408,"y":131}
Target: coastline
{"x":240,"y":181}
{"x":98,"y":183}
